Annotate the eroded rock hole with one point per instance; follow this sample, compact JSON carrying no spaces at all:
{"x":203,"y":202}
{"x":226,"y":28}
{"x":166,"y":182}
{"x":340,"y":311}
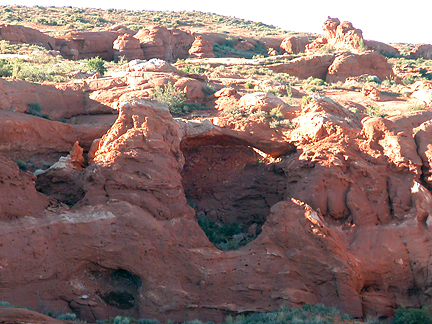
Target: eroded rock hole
{"x":231,"y":188}
{"x":118,"y":288}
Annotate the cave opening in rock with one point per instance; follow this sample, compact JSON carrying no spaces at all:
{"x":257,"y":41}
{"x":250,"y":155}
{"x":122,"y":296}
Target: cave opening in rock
{"x":231,"y":188}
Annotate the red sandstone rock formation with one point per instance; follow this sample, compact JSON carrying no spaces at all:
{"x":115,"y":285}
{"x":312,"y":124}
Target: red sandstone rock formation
{"x":193,"y":89}
{"x":201,"y":48}
{"x":348,"y":205}
{"x":20,"y":34}
{"x":20,"y":315}
{"x":128,"y":47}
{"x":18,"y":194}
{"x":343,"y":36}
{"x":381,"y":48}
{"x":422,"y":51}
{"x":167,"y":44}
{"x":80,"y":45}
{"x":349,"y":65}
{"x":304,"y":67}
{"x":338,"y":36}
{"x":56,"y":101}
{"x":294,"y":44}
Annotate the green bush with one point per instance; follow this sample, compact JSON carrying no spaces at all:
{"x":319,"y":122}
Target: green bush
{"x":412,"y":316}
{"x":276,"y":113}
{"x":97,"y":64}
{"x":35,"y":109}
{"x":172,"y":98}
{"x":222,"y":236}
{"x":315,"y":81}
{"x":374,"y":111}
{"x":22,"y":166}
{"x":305,"y":100}
{"x":6,"y":68}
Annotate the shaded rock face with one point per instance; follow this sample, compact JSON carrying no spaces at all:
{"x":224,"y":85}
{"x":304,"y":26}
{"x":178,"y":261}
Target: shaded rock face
{"x":19,"y":197}
{"x":56,"y":102}
{"x":224,"y":179}
{"x":381,"y":48}
{"x":41,"y":142}
{"x":304,"y":67}
{"x":422,"y":51}
{"x":82,"y":45}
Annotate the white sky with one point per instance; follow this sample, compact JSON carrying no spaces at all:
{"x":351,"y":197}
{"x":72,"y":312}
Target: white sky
{"x":380,"y":20}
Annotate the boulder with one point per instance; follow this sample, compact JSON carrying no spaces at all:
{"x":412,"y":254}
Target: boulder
{"x":422,"y":51}
{"x":261,"y":101}
{"x":146,"y":123}
{"x":193,"y":89}
{"x":294,"y":44}
{"x":350,"y":65}
{"x":163,"y":43}
{"x":127,"y":47}
{"x":382,"y":48}
{"x":201,"y":48}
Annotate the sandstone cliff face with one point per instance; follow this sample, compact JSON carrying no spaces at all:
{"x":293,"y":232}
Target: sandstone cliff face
{"x":344,"y":220}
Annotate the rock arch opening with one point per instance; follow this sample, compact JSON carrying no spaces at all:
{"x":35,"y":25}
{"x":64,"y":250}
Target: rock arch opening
{"x":231,"y":188}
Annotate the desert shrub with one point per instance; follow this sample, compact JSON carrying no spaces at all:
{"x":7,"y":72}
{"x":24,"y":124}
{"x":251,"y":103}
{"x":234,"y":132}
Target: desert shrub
{"x":389,"y":81}
{"x":412,"y":316}
{"x":68,"y":317}
{"x":315,"y":81}
{"x":249,"y":85}
{"x":409,"y":80}
{"x":148,"y":321}
{"x":416,"y":108}
{"x":6,"y":68}
{"x":97,"y":64}
{"x":372,"y":79}
{"x":285,"y":123}
{"x":276,"y":113}
{"x":173,"y":98}
{"x":305,"y":100}
{"x":224,"y":236}
{"x":22,"y":166}
{"x":35,"y":109}
{"x":374,"y":111}
{"x":209,"y":89}
{"x":3,"y":303}
{"x":234,"y":112}
{"x":193,"y":69}
{"x":259,"y":114}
